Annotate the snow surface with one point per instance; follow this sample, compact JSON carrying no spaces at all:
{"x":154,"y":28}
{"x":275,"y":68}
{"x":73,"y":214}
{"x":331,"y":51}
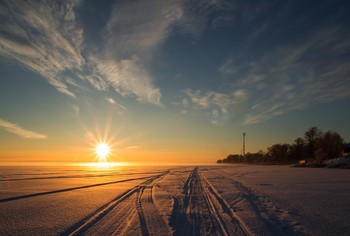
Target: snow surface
{"x":337,"y":162}
{"x":175,"y":200}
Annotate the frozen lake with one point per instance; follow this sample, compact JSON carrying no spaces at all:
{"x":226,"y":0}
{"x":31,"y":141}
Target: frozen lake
{"x":174,"y":200}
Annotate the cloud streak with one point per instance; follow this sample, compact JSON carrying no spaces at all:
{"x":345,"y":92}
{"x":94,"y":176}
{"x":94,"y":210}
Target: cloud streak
{"x":43,"y":37}
{"x":308,"y":67}
{"x":19,"y":131}
{"x":46,"y":38}
{"x":139,"y":28}
{"x":131,"y":36}
{"x":293,"y":76}
{"x":217,"y":106}
{"x":128,"y":78}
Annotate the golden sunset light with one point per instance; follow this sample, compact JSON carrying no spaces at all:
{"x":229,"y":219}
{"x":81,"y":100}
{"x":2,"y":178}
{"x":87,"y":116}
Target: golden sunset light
{"x":102,"y":151}
{"x":174,"y":117}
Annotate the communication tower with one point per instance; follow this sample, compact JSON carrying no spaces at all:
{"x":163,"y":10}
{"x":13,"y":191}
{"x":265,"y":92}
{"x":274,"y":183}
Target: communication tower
{"x":243,"y":143}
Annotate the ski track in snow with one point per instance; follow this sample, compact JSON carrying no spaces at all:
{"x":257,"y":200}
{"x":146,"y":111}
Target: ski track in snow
{"x":182,"y":201}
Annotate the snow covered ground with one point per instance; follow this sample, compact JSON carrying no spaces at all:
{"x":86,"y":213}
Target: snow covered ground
{"x":175,"y":200}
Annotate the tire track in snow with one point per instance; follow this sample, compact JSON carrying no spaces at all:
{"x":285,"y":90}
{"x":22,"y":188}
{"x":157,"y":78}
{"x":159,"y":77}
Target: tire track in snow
{"x":92,"y":222}
{"x":119,"y":217}
{"x":207,"y":213}
{"x":68,"y":189}
{"x":77,"y":176}
{"x":151,"y":221}
{"x":226,"y":207}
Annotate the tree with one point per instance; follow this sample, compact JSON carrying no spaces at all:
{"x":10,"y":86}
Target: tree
{"x":279,"y":153}
{"x":315,"y":146}
{"x":329,"y":146}
{"x":298,"y":150}
{"x":311,"y":137}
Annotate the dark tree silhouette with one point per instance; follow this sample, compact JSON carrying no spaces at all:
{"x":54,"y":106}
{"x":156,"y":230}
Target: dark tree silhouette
{"x":278,"y":153}
{"x":311,"y":136}
{"x":329,"y":145}
{"x":315,"y":148}
{"x":297,"y":150}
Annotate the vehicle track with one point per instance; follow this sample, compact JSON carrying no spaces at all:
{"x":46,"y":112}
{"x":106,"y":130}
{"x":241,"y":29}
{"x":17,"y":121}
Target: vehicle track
{"x":151,"y":221}
{"x":131,"y":213}
{"x":68,"y":189}
{"x":206,"y":210}
{"x":178,"y":202}
{"x":201,"y":211}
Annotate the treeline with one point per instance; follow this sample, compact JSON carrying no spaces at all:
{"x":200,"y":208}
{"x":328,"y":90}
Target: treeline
{"x":314,"y":147}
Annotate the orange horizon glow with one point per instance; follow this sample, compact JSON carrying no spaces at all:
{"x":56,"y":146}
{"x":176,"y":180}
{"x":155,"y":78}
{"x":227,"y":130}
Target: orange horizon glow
{"x":101,"y":164}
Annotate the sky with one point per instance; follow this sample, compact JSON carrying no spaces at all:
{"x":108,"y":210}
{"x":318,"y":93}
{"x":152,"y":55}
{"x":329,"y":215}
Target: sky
{"x":169,"y":81}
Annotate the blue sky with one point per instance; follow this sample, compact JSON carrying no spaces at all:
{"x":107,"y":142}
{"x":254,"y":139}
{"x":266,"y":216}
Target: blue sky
{"x":170,"y":78}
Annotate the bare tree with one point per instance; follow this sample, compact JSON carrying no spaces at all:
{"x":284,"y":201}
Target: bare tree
{"x":330,"y":144}
{"x":279,"y":153}
{"x":297,"y":150}
{"x":311,"y":137}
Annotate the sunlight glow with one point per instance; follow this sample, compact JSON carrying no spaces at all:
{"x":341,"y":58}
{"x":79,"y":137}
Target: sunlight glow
{"x":102,"y":151}
{"x":103,"y":165}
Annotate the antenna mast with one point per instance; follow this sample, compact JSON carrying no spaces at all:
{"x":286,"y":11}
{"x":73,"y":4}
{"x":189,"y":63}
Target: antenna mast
{"x":243,"y":143}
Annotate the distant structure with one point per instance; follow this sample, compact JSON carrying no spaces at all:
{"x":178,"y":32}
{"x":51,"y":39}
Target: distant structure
{"x":243,"y":144}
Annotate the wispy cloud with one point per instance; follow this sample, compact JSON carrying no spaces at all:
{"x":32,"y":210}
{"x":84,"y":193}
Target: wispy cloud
{"x":120,"y":106}
{"x":139,"y":28}
{"x":128,"y":78}
{"x":110,"y":100}
{"x":19,"y":131}
{"x":43,"y":37}
{"x":289,"y":74}
{"x":217,"y":106}
{"x":294,"y":75}
{"x":46,"y":37}
{"x":133,"y":33}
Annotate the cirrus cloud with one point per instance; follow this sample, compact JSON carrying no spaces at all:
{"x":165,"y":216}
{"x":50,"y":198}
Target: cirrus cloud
{"x":217,"y":106}
{"x":19,"y":131}
{"x":47,"y":38}
{"x":293,"y":76}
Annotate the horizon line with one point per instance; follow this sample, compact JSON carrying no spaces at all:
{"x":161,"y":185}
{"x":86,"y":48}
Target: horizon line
{"x":110,"y":164}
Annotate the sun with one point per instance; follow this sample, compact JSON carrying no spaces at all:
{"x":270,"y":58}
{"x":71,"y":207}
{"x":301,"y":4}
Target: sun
{"x":102,"y":151}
